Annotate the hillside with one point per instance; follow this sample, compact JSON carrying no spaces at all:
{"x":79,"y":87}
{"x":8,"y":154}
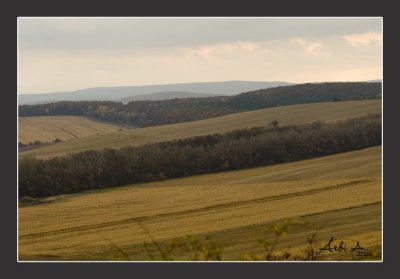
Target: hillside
{"x":306,"y":93}
{"x":118,"y":92}
{"x":49,"y":128}
{"x":154,"y":113}
{"x":238,"y":149}
{"x":296,"y":114}
{"x":339,"y":195}
{"x":167,"y":95}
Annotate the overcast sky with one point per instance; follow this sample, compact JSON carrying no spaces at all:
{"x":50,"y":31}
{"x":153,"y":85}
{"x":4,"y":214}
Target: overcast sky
{"x":63,"y":54}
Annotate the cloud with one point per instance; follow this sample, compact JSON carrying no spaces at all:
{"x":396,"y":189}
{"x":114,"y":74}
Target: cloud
{"x":214,"y":49}
{"x":139,"y":33}
{"x":309,"y":47}
{"x":63,"y":56}
{"x":364,"y":39}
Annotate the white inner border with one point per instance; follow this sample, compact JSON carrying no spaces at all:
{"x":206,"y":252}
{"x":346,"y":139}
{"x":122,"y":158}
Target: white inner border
{"x":110,"y":261}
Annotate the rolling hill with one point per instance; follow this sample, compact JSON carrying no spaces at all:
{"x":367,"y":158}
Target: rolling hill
{"x":338,"y":195}
{"x":154,"y":113}
{"x":49,"y":128}
{"x":307,"y":93}
{"x":167,"y":95}
{"x":119,"y":92}
{"x":295,"y":114}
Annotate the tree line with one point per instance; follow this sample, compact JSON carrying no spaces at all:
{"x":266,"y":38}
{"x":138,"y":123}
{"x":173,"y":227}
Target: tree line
{"x":192,"y":156}
{"x":152,"y":113}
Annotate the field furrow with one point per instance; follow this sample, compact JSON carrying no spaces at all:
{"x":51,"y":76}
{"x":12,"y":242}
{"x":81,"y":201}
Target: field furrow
{"x":81,"y":226}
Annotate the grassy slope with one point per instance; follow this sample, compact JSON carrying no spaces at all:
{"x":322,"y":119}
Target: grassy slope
{"x":296,"y":114}
{"x":340,"y":193}
{"x":48,"y":128}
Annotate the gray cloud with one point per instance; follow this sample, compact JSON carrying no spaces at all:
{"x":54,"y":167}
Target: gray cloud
{"x":135,"y":33}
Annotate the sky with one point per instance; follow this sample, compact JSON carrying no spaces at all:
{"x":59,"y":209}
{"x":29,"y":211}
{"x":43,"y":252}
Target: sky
{"x":66,"y":54}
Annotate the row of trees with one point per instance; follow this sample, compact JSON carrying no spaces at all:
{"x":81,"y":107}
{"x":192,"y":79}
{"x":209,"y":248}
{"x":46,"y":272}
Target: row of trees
{"x":34,"y":144}
{"x":197,"y":155}
{"x":150,"y":113}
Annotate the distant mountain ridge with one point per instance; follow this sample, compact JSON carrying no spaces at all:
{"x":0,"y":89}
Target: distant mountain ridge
{"x":120,"y":92}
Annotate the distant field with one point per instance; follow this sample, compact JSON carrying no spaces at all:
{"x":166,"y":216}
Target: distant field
{"x":339,"y":194}
{"x":295,"y":114}
{"x":48,"y":128}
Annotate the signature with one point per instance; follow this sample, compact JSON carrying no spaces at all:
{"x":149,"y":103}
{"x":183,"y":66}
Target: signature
{"x":337,"y":245}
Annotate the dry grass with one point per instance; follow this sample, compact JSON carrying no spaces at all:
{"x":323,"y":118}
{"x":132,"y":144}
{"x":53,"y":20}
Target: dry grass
{"x":232,"y":203}
{"x":48,"y":128}
{"x":295,"y":114}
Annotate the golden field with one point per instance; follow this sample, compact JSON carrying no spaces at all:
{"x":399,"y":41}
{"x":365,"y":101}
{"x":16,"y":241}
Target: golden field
{"x":48,"y":128}
{"x":339,"y":195}
{"x":287,"y":115}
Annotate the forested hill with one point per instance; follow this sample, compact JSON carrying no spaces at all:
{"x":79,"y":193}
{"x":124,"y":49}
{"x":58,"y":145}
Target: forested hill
{"x":151,"y":113}
{"x":306,"y":93}
{"x":192,"y":156}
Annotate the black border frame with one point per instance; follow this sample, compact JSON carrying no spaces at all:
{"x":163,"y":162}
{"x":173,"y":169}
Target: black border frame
{"x":196,"y":270}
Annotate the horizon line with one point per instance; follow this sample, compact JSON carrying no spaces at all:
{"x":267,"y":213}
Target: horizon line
{"x":163,"y":84}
